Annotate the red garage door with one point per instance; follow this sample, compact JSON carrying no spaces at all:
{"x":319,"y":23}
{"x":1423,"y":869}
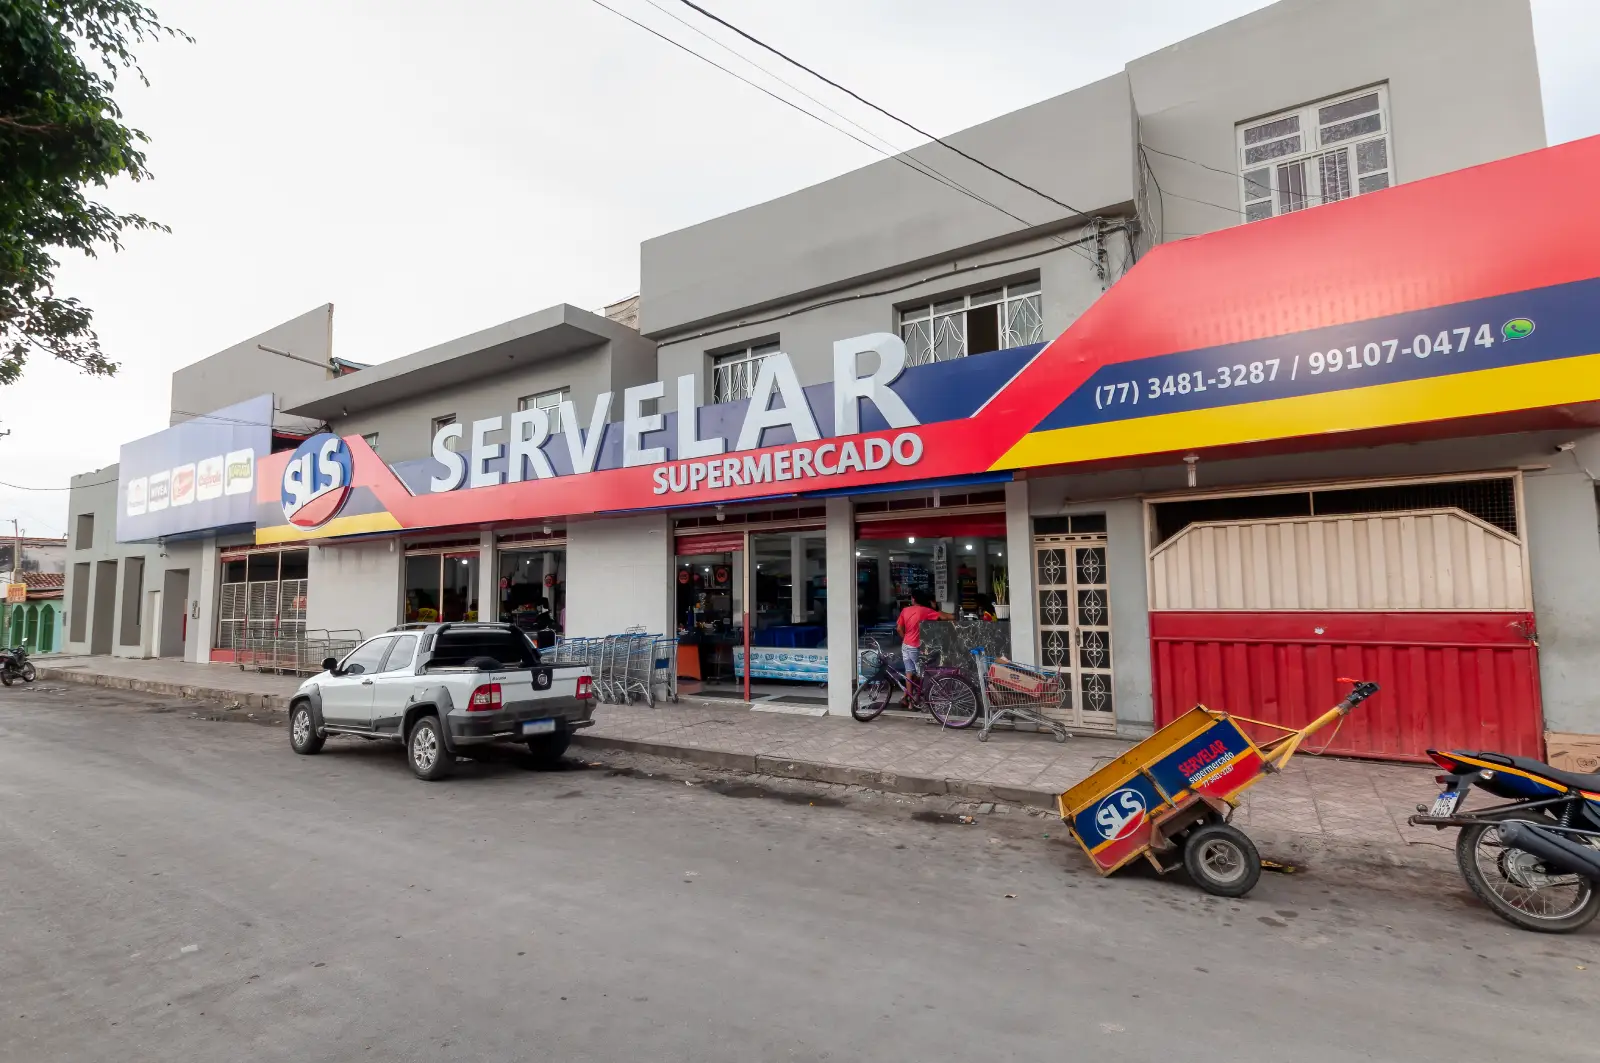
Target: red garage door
{"x":1452,"y":680}
{"x":1262,"y":617}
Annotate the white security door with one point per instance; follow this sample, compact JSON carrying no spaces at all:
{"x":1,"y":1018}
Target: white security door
{"x":1075,"y":624}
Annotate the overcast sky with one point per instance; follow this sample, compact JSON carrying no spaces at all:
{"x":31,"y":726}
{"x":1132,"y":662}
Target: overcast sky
{"x":434,"y":168}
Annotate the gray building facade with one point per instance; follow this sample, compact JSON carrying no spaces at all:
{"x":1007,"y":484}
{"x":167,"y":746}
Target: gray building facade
{"x":1290,"y":108}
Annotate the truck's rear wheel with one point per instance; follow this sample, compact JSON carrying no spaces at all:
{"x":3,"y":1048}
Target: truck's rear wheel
{"x":429,"y":759}
{"x":547,"y":750}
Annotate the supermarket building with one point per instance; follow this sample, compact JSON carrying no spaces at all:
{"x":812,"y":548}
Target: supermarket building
{"x":1347,"y":426}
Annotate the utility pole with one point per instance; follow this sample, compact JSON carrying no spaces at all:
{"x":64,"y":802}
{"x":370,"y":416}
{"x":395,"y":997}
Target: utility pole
{"x":16,"y":569}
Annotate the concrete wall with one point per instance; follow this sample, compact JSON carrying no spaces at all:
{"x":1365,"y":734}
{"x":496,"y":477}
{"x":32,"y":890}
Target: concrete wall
{"x":619,"y":574}
{"x":886,"y":218}
{"x":1068,"y":283}
{"x":405,"y":429}
{"x":244,"y":370}
{"x":114,"y":622}
{"x":1564,"y":537}
{"x":1561,"y":527}
{"x":355,"y":585}
{"x":1463,"y":89}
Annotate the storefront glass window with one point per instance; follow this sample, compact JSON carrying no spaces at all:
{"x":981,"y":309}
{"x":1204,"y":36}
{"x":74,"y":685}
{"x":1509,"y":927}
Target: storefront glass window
{"x":789,"y":638}
{"x":532,"y":589}
{"x":963,"y":575}
{"x":441,"y":587}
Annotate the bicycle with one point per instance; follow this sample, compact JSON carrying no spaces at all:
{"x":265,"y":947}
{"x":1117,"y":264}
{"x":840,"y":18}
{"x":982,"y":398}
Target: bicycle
{"x":947,"y":694}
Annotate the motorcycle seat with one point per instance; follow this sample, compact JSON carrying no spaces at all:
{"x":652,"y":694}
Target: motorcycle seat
{"x":1578,"y":780}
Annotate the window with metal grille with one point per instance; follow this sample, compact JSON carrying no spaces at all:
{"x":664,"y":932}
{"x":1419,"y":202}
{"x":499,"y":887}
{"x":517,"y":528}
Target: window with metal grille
{"x":733,"y":373}
{"x":954,"y":327}
{"x":371,"y":440}
{"x":545,"y":400}
{"x":262,"y":596}
{"x":1320,"y":153}
{"x":1491,"y":500}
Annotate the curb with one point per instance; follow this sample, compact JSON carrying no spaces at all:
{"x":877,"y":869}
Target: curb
{"x":811,"y":771}
{"x":244,"y":699}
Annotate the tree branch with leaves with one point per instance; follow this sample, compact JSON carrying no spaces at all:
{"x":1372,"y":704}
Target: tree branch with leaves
{"x":61,"y":132}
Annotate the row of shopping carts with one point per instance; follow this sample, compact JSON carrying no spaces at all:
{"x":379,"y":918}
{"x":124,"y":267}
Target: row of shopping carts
{"x":634,"y":664}
{"x":300,"y":653}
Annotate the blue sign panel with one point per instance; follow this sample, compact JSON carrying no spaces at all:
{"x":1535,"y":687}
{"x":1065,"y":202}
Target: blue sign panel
{"x":194,"y":476}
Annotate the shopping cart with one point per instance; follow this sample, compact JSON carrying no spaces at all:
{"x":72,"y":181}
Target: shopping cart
{"x":638,"y":667}
{"x":1018,"y":692}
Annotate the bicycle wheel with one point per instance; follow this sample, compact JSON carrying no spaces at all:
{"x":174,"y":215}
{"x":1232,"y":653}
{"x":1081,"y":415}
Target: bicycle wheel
{"x":871,"y":698}
{"x":952,"y":700}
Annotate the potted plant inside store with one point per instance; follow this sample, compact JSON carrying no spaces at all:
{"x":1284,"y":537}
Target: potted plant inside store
{"x":1002,"y":608}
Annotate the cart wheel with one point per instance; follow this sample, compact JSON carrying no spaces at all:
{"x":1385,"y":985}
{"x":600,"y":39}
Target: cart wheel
{"x":1062,"y":734}
{"x":1221,"y":859}
{"x":983,"y":735}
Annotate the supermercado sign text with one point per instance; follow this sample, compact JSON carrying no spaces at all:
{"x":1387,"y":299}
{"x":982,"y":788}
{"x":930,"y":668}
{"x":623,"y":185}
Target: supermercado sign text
{"x":511,"y":449}
{"x":798,"y":463}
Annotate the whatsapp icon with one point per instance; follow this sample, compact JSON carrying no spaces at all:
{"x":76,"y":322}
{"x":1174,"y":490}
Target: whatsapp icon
{"x":1518,"y":328}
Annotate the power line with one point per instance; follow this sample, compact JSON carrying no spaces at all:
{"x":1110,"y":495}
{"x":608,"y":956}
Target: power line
{"x":917,"y":166}
{"x":1229,"y":173}
{"x":881,"y":110}
{"x":69,"y":487}
{"x":781,"y":80}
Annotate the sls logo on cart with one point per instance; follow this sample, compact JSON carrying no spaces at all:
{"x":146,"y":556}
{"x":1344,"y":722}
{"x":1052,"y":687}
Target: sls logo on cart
{"x":1120,"y":814}
{"x":316,"y":481}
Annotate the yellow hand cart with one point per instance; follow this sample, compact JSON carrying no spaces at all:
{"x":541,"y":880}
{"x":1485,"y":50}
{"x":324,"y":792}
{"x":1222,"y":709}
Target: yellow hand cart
{"x":1169,"y":798}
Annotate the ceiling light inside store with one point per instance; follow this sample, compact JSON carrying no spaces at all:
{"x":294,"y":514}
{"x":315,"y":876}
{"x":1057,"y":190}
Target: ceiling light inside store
{"x":911,"y":539}
{"x":969,"y":546}
{"x":858,"y":553}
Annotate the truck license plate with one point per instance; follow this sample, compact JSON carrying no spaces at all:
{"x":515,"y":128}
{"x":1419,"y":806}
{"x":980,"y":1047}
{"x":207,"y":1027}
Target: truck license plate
{"x":1445,"y":803}
{"x":544,"y":727}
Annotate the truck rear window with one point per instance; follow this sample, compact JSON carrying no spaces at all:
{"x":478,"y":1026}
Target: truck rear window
{"x":455,"y":648}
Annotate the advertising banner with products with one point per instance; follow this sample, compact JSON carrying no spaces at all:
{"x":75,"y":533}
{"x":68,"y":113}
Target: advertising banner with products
{"x":195,"y":476}
{"x":1393,"y":316}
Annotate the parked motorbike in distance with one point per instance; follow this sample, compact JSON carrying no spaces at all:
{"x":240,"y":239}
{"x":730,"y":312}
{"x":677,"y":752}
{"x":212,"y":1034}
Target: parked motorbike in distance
{"x":1533,"y":859}
{"x":14,"y":665}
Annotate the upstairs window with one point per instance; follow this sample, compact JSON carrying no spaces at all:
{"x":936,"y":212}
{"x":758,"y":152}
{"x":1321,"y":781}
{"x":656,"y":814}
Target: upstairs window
{"x":993,"y":320}
{"x":440,"y":423}
{"x":1321,"y":153}
{"x":545,"y":400}
{"x":733,"y":374}
{"x":371,"y":440}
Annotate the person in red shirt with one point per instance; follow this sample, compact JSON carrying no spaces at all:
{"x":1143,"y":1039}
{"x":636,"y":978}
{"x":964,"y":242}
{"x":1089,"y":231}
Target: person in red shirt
{"x":909,"y":625}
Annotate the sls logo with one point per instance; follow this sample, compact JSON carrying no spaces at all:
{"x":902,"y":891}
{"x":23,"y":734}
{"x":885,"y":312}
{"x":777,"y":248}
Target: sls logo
{"x":316,"y":481}
{"x":1120,"y":814}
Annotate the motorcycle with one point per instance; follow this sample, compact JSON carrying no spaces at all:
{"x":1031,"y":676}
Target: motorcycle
{"x":14,"y":665}
{"x":1533,"y":859}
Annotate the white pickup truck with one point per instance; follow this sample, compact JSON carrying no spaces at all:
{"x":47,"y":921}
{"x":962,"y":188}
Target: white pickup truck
{"x":440,"y":689}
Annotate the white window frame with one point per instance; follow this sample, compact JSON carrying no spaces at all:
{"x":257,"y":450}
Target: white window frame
{"x":371,"y":440}
{"x":1313,"y":157}
{"x":936,"y":331}
{"x":544,"y":400}
{"x":733,"y":373}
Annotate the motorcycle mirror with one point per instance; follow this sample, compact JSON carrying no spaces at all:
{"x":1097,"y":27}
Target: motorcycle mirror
{"x":330,"y":664}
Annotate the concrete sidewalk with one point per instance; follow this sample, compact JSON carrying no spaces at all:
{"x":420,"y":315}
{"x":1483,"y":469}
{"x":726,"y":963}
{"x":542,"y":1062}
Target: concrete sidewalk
{"x":1316,"y":805}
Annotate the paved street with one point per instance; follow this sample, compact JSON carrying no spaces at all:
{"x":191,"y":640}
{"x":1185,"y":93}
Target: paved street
{"x":175,"y":887}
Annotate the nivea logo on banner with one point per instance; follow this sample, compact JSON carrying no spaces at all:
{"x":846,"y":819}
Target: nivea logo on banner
{"x":316,"y":481}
